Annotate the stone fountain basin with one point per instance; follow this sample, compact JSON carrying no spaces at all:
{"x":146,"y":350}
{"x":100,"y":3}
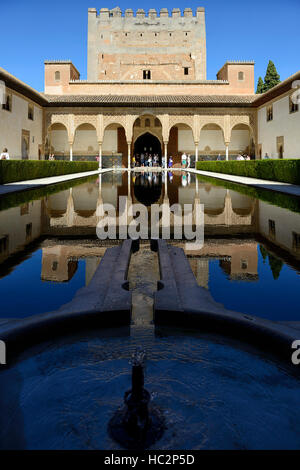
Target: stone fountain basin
{"x":215,"y":392}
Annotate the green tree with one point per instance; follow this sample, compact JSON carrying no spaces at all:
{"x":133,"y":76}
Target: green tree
{"x":264,"y":252}
{"x":260,"y":86}
{"x":272,"y":77}
{"x":275,"y":265}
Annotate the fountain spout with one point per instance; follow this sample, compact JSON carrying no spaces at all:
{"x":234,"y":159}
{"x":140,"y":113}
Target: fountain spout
{"x":137,"y":424}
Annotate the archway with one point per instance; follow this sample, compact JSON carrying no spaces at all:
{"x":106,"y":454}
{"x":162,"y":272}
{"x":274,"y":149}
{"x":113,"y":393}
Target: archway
{"x":241,"y":140}
{"x":57,"y":142}
{"x":211,"y":142}
{"x":85,"y":145}
{"x":147,"y":143}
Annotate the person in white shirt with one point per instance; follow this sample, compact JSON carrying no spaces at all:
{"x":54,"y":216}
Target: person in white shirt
{"x":4,"y":155}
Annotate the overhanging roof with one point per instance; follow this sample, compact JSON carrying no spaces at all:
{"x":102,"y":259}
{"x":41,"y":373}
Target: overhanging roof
{"x":153,"y":100}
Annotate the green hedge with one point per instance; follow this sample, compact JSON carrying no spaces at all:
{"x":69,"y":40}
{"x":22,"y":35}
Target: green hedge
{"x":286,"y":171}
{"x":21,"y":170}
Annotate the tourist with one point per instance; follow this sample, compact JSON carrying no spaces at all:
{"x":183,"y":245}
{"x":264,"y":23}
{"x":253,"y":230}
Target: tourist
{"x":4,"y":155}
{"x":142,"y":159}
{"x":150,"y":161}
{"x":163,"y":162}
{"x":266,"y":157}
{"x":188,"y":161}
{"x":248,"y":157}
{"x":183,"y":160}
{"x":170,"y":162}
{"x":219,"y":157}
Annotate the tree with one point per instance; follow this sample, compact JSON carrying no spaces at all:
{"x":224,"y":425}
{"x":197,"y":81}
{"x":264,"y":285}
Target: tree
{"x":272,"y":77}
{"x":263,"y":252}
{"x":260,"y":86}
{"x":275,"y":265}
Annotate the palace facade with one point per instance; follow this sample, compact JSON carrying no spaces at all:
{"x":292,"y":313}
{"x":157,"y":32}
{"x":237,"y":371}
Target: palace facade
{"x":146,"y":90}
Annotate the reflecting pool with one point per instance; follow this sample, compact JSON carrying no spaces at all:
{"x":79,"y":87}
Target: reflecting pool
{"x":250,"y":260}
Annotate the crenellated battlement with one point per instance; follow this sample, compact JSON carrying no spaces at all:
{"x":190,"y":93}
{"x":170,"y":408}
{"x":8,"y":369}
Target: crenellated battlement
{"x":150,"y":45}
{"x":107,"y":14}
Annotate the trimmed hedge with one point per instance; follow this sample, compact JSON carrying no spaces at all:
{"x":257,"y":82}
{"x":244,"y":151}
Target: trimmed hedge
{"x":22,"y":170}
{"x":285,"y":171}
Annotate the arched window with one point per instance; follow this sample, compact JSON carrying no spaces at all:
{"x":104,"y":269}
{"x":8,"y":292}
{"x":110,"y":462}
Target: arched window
{"x":57,"y":76}
{"x":138,"y":122}
{"x":241,"y":76}
{"x":147,"y":122}
{"x":157,"y":122}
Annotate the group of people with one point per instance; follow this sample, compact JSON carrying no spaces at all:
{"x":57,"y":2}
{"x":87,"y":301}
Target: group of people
{"x":185,"y":161}
{"x":4,"y":155}
{"x":51,"y":157}
{"x":243,"y":157}
{"x":145,"y":159}
{"x":149,"y":160}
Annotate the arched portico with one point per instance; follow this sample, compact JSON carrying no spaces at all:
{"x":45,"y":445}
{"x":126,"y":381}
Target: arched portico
{"x":181,"y":140}
{"x":115,"y":149}
{"x":147,"y":143}
{"x":242,"y":139}
{"x":85,"y":145}
{"x":57,"y":140}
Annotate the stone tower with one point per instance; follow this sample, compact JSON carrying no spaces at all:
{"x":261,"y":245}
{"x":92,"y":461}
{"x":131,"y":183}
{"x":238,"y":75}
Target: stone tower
{"x":139,"y":48}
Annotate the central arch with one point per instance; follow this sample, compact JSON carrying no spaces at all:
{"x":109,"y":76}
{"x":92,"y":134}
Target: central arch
{"x":147,"y":143}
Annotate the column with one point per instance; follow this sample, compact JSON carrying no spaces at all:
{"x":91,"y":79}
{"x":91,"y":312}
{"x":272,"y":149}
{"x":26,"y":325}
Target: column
{"x":166,"y":155}
{"x":71,"y":152}
{"x":129,"y":148}
{"x":50,"y":141}
{"x":196,"y":153}
{"x":100,"y":155}
{"x":227,"y":150}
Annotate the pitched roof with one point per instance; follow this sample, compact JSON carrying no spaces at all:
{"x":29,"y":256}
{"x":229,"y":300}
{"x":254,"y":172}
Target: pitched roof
{"x":22,"y":88}
{"x":153,"y":100}
{"x":277,"y":90}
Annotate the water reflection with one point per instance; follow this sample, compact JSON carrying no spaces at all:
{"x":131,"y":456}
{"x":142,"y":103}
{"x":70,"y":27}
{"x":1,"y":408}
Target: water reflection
{"x":246,"y":239}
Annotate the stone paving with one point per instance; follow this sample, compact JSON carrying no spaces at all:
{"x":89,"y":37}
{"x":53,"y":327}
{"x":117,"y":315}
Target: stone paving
{"x":40,"y":182}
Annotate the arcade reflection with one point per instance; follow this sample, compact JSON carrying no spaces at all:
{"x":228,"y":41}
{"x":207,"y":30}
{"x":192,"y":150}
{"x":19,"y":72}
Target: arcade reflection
{"x":247,"y":241}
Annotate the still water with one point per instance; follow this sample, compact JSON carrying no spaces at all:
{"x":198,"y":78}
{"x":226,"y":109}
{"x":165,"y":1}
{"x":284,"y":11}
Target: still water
{"x":250,"y":261}
{"x":214,"y":393}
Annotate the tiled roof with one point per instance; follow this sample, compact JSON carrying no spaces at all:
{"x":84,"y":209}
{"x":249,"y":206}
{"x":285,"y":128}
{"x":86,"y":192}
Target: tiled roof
{"x":156,"y":100}
{"x":15,"y":84}
{"x":276,"y":91}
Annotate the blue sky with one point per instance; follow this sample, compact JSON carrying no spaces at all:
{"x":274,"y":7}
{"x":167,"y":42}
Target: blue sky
{"x":33,"y":31}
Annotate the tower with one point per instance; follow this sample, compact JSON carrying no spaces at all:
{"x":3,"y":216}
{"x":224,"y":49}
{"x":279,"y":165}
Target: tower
{"x":155,"y":47}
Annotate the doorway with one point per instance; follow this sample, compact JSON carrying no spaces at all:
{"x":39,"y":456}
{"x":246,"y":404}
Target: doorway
{"x":147,"y":143}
